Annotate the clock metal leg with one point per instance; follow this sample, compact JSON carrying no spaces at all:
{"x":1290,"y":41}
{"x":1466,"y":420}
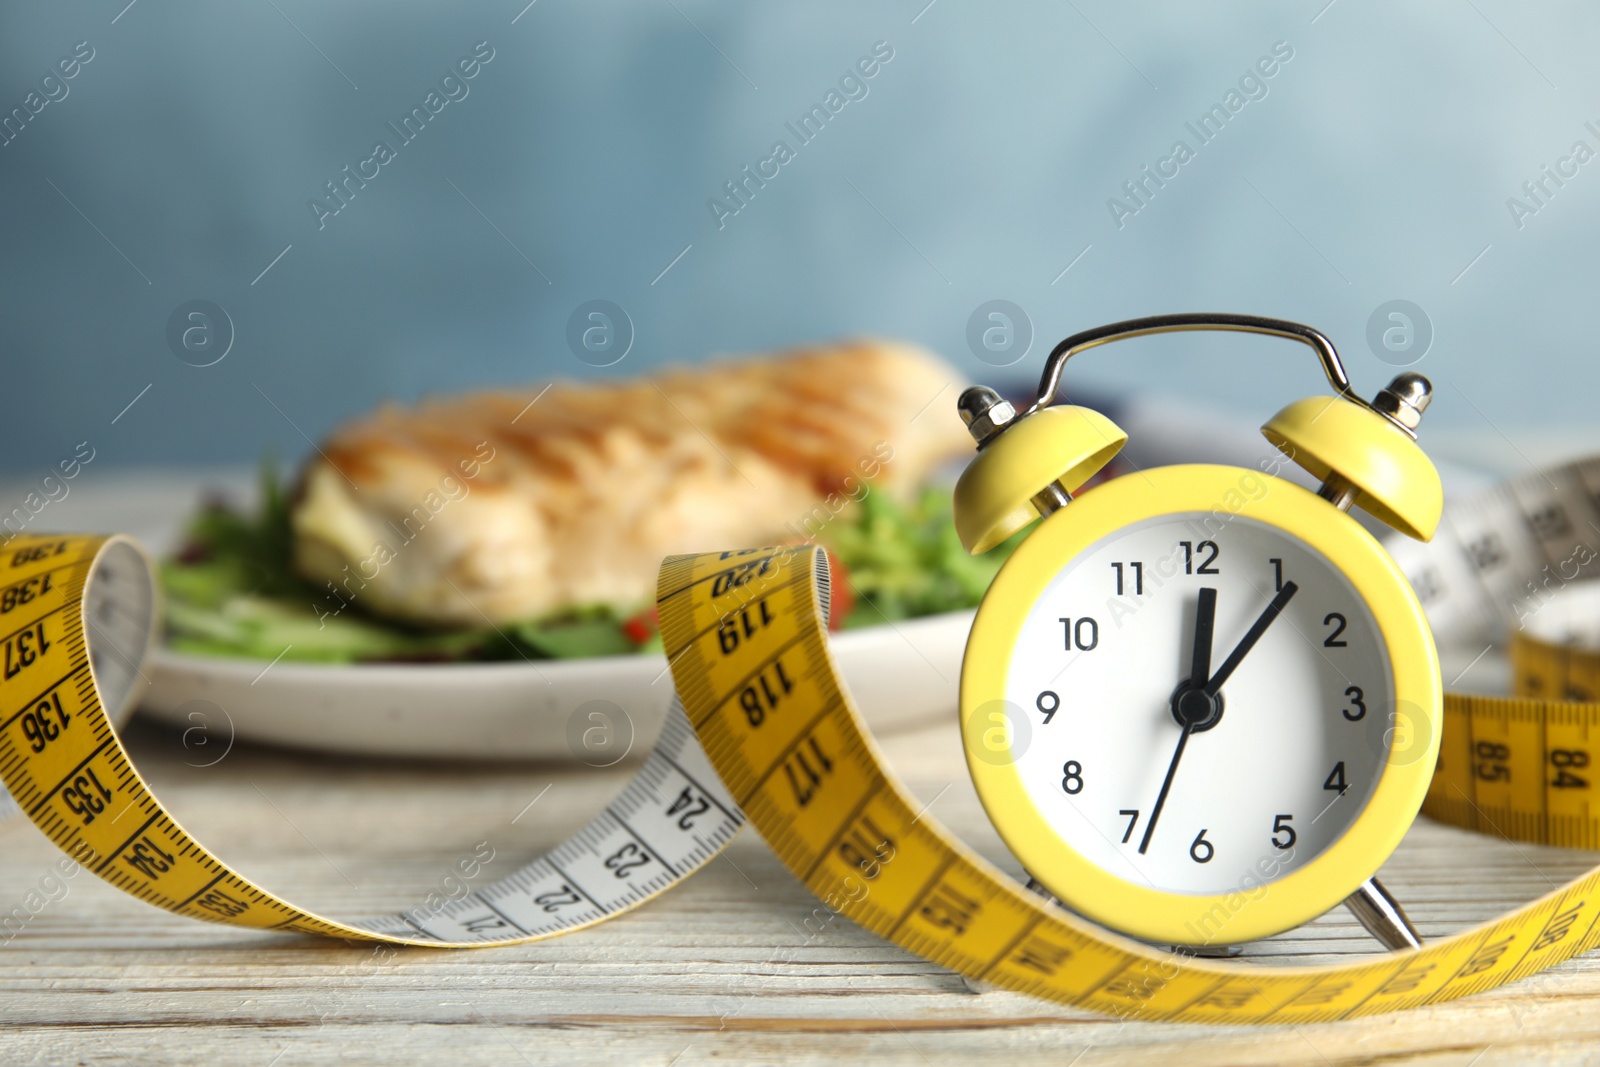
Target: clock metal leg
{"x":1209,"y":952}
{"x":1037,"y":889}
{"x":1382,"y":916}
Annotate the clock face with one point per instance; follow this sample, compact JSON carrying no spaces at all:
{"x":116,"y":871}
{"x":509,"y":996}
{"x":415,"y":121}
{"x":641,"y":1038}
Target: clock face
{"x":1207,"y":783}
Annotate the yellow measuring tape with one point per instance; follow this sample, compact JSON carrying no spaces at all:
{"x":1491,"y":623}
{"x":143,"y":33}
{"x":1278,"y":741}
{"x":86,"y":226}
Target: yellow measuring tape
{"x":779,"y":739}
{"x":1524,"y":767}
{"x":76,"y":614}
{"x":1521,"y":767}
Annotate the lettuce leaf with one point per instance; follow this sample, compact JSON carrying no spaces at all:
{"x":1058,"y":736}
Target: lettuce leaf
{"x":232,"y":591}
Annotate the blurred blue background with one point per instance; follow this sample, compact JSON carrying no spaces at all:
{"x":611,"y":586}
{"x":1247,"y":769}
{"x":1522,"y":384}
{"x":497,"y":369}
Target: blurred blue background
{"x":179,"y":163}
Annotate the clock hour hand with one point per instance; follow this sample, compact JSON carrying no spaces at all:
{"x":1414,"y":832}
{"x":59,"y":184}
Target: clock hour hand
{"x":1257,"y":628}
{"x":1205,"y":622}
{"x":1184,"y":701}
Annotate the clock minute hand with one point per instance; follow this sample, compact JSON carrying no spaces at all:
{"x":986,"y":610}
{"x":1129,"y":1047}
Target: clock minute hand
{"x":1257,"y":628}
{"x":1200,"y":666}
{"x":1166,"y":787}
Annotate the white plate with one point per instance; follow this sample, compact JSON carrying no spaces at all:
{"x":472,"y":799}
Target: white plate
{"x":901,"y":676}
{"x":595,"y":710}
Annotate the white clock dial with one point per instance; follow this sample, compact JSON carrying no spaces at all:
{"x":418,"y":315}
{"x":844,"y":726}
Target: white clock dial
{"x":1274,"y":767}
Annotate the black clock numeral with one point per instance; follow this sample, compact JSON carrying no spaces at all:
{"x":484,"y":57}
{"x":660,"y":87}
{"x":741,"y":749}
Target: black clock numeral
{"x":1277,"y":575}
{"x":1564,"y":760}
{"x":1335,"y":780}
{"x":1357,"y":709}
{"x":1334,"y":639}
{"x":1191,"y":550}
{"x":1202,"y":850}
{"x":1072,"y":777}
{"x":1048,"y":703}
{"x":1280,"y":825}
{"x":1138,"y":577}
{"x":1083,"y":636}
{"x":1133,"y":820}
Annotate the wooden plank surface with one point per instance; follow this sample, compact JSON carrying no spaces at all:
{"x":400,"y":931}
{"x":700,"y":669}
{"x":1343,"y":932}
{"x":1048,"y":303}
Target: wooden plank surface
{"x":722,"y":969}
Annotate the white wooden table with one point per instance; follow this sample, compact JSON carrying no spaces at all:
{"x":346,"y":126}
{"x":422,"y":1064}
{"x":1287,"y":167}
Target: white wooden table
{"x":720,"y":970}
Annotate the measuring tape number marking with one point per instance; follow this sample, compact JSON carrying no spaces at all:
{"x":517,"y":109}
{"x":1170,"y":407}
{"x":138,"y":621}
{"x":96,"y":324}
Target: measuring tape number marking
{"x":783,"y":734}
{"x":62,"y":762}
{"x":765,"y":727}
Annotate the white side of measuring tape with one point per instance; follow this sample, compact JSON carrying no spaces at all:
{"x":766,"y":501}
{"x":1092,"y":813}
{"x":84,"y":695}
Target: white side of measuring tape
{"x":746,"y":637}
{"x":1501,"y":556}
{"x":64,"y":765}
{"x":670,"y":821}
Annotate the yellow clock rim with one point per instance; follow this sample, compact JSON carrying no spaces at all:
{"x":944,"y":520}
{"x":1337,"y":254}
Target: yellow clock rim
{"x":1327,"y":879}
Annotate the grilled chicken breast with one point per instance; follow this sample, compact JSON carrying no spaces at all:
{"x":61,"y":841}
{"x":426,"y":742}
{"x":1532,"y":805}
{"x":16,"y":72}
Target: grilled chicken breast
{"x":506,"y":506}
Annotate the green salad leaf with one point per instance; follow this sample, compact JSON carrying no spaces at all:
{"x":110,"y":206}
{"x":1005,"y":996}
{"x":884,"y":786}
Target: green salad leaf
{"x":904,"y":561}
{"x":232,"y":591}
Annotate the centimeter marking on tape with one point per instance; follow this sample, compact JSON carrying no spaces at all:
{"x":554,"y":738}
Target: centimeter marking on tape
{"x":778,"y":738}
{"x":780,"y":730}
{"x":62,"y":763}
{"x":1519,"y":767}
{"x":1500,"y":555}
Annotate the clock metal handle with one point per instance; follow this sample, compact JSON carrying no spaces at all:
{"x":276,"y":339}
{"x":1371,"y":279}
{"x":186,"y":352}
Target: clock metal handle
{"x":1154,"y":324}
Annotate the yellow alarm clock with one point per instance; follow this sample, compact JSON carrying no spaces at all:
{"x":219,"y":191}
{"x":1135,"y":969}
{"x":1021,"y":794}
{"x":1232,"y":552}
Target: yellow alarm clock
{"x":1201,"y":704}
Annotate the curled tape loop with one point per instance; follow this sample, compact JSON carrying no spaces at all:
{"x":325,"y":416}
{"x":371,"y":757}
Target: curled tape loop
{"x":765,"y":727}
{"x":63,"y":764}
{"x":807,"y":773}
